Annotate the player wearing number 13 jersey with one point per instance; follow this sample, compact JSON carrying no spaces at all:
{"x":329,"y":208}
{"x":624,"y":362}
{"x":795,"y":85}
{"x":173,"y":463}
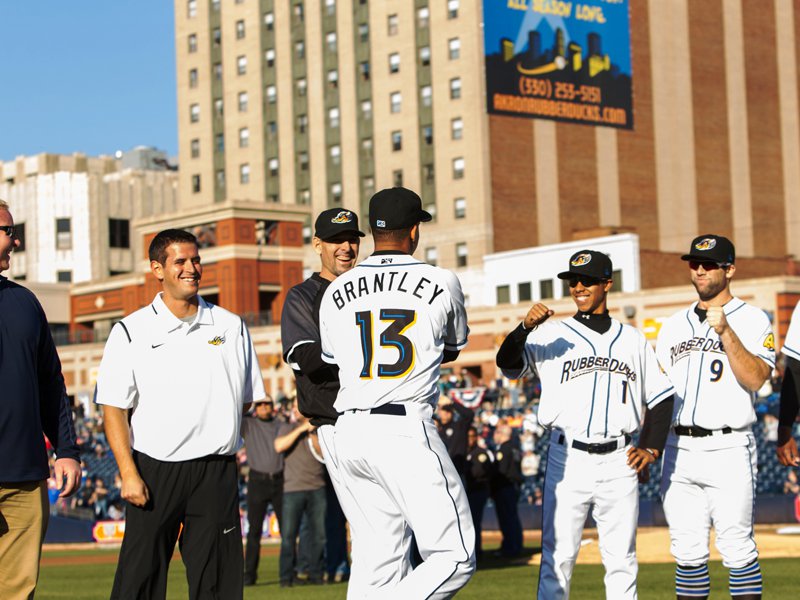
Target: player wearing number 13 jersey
{"x":717,"y":353}
{"x":389,"y":323}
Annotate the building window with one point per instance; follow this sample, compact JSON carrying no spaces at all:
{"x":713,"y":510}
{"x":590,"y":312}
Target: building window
{"x":452,"y":9}
{"x":269,"y":57}
{"x":218,"y":107}
{"x":425,"y":55}
{"x":220,"y":142}
{"x":221,"y":179}
{"x":455,"y":88}
{"x":431,"y":256}
{"x":368,"y":185}
{"x":423,"y":17}
{"x":304,"y":197}
{"x":524,"y":292}
{"x":461,"y":254}
{"x":302,"y":87}
{"x":307,"y":234}
{"x":616,"y":277}
{"x":428,"y":172}
{"x":458,"y":168}
{"x":330,"y":40}
{"x":191,"y":9}
{"x":460,"y":208}
{"x":431,"y":208}
{"x":215,"y":5}
{"x":330,"y":7}
{"x":194,"y":113}
{"x":272,"y":129}
{"x":192,"y":78}
{"x":298,"y":11}
{"x":426,"y":95}
{"x":64,"y":276}
{"x":396,"y":102}
{"x":333,"y":117}
{"x":192,"y":43}
{"x":240,"y":29}
{"x":397,"y":178}
{"x":454,"y":48}
{"x":394,"y":62}
{"x":216,"y":35}
{"x":363,"y":32}
{"x":244,"y":137}
{"x":218,"y":71}
{"x":273,"y":166}
{"x":503,"y":294}
{"x":366,"y":146}
{"x":241,"y":65}
{"x":302,"y":123}
{"x":366,"y":109}
{"x":457,"y":128}
{"x":119,"y":233}
{"x":427,"y":134}
{"x":244,"y":173}
{"x":302,"y":160}
{"x":336,"y":154}
{"x":545,"y":289}
{"x":397,"y":141}
{"x":336,"y":192}
{"x":364,"y":68}
{"x":300,"y":50}
{"x":195,"y":184}
{"x":272,"y":94}
{"x":269,"y":21}
{"x":243,"y":101}
{"x":195,"y":146}
{"x":333,"y":78}
{"x":392,"y":23}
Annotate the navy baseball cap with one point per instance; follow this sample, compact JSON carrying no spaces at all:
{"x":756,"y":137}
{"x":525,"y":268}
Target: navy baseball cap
{"x":588,"y":263}
{"x":711,"y":248}
{"x":396,"y":208}
{"x":334,"y":221}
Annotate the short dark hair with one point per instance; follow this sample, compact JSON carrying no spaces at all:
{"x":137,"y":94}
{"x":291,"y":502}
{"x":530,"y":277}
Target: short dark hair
{"x":164,"y":239}
{"x":391,"y":235}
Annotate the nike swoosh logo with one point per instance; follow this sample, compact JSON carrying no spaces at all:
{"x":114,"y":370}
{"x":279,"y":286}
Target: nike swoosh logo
{"x":226,"y":531}
{"x":157,"y":345}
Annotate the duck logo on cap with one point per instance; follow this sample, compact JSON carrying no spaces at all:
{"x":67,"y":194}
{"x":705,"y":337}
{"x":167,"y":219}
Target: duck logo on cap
{"x":342,"y":217}
{"x":580,"y":260}
{"x":706,"y":244}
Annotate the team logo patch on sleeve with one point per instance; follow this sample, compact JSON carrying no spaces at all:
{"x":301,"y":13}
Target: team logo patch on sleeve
{"x":706,"y":244}
{"x":217,"y":341}
{"x":344,"y":216}
{"x":581,"y":259}
{"x":769,"y":342}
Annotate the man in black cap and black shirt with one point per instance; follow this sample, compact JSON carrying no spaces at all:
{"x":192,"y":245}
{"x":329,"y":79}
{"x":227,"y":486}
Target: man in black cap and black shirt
{"x":597,"y":376}
{"x":336,"y":241}
{"x":265,"y":479}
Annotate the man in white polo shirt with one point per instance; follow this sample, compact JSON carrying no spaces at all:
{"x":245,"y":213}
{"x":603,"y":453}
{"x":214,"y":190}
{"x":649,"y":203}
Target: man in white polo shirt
{"x":184,"y":370}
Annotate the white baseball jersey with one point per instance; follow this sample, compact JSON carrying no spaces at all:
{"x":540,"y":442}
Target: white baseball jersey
{"x":791,"y":345}
{"x":707,"y":393}
{"x":386,"y":323}
{"x":593,"y":384}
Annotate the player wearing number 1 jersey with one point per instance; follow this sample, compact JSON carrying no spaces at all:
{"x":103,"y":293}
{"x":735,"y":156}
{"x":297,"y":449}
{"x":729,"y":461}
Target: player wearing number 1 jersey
{"x":389,"y":323}
{"x":717,"y":353}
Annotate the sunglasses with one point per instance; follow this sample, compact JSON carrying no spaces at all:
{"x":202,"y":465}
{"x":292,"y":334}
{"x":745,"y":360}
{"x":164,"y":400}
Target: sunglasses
{"x":584,"y":280}
{"x":9,"y":229}
{"x":707,"y":266}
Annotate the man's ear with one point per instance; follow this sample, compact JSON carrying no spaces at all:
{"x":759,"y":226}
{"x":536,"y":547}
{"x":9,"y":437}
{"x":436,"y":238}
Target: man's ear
{"x":157,"y":269}
{"x":316,"y":243}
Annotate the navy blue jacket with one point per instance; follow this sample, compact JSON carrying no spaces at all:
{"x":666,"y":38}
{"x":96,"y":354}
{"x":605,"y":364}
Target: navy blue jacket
{"x":33,"y":398}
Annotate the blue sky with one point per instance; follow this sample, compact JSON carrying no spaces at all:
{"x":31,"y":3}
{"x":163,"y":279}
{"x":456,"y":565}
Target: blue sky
{"x":91,"y":76}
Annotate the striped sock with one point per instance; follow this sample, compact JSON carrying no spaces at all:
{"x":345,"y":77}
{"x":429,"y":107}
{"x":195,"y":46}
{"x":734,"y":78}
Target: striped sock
{"x":746,"y":580}
{"x":692,"y":581}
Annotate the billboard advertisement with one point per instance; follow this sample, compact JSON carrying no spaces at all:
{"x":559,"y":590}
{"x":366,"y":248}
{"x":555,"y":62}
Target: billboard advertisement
{"x":553,"y":59}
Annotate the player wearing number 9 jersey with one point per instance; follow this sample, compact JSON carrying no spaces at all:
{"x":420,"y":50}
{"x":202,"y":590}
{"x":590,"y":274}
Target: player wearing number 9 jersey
{"x":389,"y":323}
{"x":717,"y":353}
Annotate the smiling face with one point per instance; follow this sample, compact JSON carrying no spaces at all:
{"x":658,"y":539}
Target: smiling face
{"x":7,"y":243}
{"x":181,"y":272}
{"x":589,"y":294}
{"x":711,"y":280}
{"x":338,"y":254}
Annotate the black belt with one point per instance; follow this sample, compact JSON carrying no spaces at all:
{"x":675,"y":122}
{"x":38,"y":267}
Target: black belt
{"x":389,"y":409}
{"x":597,"y":448}
{"x":695,"y":431}
{"x":261,"y":475}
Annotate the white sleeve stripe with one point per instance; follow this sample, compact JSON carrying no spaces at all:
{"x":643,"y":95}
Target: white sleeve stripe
{"x":293,"y":348}
{"x":661,"y":396}
{"x":328,"y":358}
{"x":790,"y":352}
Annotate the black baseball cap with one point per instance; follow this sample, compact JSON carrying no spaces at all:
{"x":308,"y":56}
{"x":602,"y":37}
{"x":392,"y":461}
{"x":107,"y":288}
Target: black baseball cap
{"x":396,"y":208}
{"x":334,"y":221}
{"x":711,"y":248}
{"x":588,"y":263}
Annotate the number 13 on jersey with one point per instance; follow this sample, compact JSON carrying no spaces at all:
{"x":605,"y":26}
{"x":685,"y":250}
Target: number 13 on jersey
{"x":399,"y":320}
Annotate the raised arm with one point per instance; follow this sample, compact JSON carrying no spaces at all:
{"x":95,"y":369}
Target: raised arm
{"x":749,"y":370}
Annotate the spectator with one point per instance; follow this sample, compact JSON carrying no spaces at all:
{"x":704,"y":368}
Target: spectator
{"x":505,"y":490}
{"x":478,"y":477}
{"x":530,"y":464}
{"x":453,"y":422}
{"x":791,"y":485}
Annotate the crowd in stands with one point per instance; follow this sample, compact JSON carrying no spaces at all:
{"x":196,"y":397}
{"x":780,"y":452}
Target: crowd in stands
{"x":511,"y":403}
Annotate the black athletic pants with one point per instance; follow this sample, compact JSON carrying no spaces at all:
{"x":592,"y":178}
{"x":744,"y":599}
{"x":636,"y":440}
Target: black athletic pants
{"x":262,"y":489}
{"x":201,"y":494}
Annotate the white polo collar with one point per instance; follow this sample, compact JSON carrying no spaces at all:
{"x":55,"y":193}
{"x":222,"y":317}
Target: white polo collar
{"x":168,"y":322}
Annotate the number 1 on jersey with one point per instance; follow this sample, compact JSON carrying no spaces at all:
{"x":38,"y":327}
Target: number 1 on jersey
{"x":392,"y":337}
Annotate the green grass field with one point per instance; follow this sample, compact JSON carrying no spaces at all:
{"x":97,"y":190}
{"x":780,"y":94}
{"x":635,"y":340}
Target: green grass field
{"x":90,"y":574}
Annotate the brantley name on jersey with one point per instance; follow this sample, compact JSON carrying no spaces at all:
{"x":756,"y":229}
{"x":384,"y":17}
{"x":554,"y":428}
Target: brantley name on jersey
{"x":387,"y":281}
{"x":696,"y":344}
{"x":590,"y":364}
